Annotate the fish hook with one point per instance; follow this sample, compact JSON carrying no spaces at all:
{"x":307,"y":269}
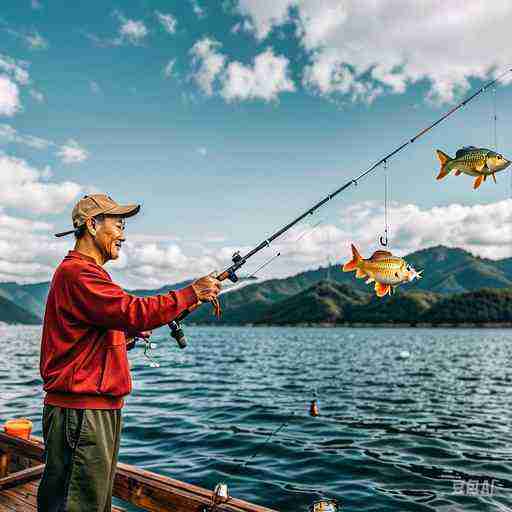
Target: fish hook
{"x":384,"y":239}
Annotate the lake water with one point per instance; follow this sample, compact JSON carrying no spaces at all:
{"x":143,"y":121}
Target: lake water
{"x":431,"y":431}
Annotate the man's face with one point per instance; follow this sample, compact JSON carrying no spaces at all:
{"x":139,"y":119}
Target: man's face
{"x":110,"y":236}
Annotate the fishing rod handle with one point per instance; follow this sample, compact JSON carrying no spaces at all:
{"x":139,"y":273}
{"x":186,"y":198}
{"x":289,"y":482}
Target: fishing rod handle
{"x":175,"y":325}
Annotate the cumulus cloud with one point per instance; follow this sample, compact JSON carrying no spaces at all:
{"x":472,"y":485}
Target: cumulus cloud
{"x":9,"y":97}
{"x":150,"y":261}
{"x":133,"y":31}
{"x":27,"y":252}
{"x":72,"y":152}
{"x":13,"y":73}
{"x":209,"y":63}
{"x":364,"y":48}
{"x":26,"y":187}
{"x":130,"y":32}
{"x":265,"y":79}
{"x":15,"y":69}
{"x":168,"y":21}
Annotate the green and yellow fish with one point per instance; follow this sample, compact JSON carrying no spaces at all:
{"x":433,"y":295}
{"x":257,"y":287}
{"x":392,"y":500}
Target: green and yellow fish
{"x":386,"y":270}
{"x":479,"y":162}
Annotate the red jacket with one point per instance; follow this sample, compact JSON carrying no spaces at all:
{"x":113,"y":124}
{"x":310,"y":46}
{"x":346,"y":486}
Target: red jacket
{"x":83,"y":363}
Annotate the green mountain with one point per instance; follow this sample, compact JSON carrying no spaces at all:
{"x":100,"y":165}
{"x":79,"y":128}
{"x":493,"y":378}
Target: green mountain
{"x":10,"y":313}
{"x":31,"y":297}
{"x":482,"y":306}
{"x":327,"y":302}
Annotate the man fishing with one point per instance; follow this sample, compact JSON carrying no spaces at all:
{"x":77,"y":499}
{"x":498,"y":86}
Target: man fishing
{"x":88,"y":323}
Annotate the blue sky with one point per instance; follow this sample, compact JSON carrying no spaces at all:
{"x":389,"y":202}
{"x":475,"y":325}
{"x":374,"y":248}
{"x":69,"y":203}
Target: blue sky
{"x":226,"y":119}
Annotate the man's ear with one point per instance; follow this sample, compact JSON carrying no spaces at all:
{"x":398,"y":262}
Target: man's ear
{"x":91,"y":226}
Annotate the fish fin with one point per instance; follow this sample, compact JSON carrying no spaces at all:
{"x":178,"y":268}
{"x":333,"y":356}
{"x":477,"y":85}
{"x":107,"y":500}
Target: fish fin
{"x":382,"y":289}
{"x":485,"y":177}
{"x":444,"y":159}
{"x":360,"y":274}
{"x":494,"y":177}
{"x":378,"y":255}
{"x":464,"y":150}
{"x":478,"y":182}
{"x":356,"y":258}
{"x":458,"y":173}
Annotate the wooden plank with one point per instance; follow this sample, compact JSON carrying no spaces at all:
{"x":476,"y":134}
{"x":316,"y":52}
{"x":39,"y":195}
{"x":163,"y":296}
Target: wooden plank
{"x":20,"y":500}
{"x":4,"y":463}
{"x":148,"y":490}
{"x":21,"y":477}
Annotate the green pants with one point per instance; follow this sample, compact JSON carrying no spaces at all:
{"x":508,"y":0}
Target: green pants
{"x":81,"y":447}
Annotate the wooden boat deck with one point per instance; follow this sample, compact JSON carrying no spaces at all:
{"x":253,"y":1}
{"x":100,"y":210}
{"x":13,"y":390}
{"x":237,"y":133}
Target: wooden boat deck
{"x":21,"y":468}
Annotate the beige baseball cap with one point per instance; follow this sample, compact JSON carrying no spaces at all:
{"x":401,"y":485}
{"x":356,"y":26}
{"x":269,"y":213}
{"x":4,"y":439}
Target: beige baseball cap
{"x":97,"y":204}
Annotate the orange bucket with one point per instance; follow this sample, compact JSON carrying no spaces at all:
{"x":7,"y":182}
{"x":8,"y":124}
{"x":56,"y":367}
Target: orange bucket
{"x":21,"y":427}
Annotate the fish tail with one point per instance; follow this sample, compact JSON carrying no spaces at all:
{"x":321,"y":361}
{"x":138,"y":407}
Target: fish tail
{"x":356,"y":259}
{"x":444,"y":159}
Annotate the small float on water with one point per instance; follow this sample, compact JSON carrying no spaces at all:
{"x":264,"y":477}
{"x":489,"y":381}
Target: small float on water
{"x":21,"y":468}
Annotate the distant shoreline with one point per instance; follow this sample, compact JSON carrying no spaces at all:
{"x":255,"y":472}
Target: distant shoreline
{"x":359,"y":325}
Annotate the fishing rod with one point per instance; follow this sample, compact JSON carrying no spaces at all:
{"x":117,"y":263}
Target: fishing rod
{"x":238,"y":260}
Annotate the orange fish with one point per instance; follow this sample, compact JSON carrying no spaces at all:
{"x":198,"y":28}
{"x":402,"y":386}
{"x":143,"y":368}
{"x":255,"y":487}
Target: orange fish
{"x":386,"y":270}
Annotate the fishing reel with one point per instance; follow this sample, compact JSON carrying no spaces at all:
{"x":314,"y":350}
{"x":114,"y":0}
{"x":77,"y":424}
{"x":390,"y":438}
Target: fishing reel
{"x":148,"y":351}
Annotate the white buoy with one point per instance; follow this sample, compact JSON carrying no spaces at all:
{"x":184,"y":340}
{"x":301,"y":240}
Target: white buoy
{"x":404,"y":354}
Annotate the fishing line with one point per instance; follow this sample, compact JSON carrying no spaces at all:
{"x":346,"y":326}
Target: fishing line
{"x":384,"y":240}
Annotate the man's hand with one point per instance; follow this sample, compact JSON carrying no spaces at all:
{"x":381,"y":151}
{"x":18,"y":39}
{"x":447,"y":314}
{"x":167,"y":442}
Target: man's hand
{"x":206,"y":288}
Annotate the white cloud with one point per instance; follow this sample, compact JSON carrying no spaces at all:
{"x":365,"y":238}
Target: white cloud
{"x":69,"y":153}
{"x":209,"y":63}
{"x":265,"y":79}
{"x":168,"y":21}
{"x":15,"y":69}
{"x":133,"y":31}
{"x":266,"y":14}
{"x":95,"y":88}
{"x":168,"y":68}
{"x":25,"y":187}
{"x":198,"y":10}
{"x":9,"y":97}
{"x":72,"y":152}
{"x":36,"y":5}
{"x":129,"y":32}
{"x":13,"y":73}
{"x":147,"y":261}
{"x":364,"y":48}
{"x":10,"y":134}
{"x":202,"y":151}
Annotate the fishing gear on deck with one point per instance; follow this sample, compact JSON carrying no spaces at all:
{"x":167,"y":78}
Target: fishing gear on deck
{"x":239,"y":260}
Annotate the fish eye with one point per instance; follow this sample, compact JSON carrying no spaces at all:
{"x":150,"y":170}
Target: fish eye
{"x":499,"y":157}
{"x":409,"y":268}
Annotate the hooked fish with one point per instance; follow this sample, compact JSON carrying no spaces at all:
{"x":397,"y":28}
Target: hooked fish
{"x":479,"y":162}
{"x":386,"y":270}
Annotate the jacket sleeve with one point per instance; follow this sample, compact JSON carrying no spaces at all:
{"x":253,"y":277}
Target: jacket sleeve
{"x":98,"y":301}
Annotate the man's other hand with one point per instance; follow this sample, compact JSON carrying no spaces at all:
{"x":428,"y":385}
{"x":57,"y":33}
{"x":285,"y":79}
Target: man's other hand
{"x":206,"y":288}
